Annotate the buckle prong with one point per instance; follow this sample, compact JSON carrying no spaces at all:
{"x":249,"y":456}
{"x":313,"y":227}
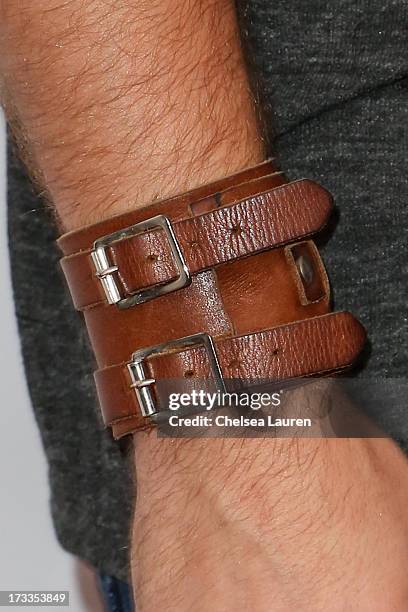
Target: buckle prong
{"x":103,"y":273}
{"x":143,"y":383}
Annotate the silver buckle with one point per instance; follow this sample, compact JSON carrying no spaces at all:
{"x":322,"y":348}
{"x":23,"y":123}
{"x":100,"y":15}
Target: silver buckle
{"x":105,"y":271}
{"x":141,"y":384}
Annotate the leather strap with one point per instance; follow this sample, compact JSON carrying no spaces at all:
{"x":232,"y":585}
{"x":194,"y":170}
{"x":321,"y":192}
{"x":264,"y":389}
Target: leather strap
{"x":266,"y":220}
{"x":239,"y":297}
{"x":176,"y":207}
{"x":318,"y":346}
{"x":257,"y":287}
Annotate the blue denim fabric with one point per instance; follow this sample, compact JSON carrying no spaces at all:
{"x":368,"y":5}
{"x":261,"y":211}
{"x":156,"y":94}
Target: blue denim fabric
{"x":117,"y":594}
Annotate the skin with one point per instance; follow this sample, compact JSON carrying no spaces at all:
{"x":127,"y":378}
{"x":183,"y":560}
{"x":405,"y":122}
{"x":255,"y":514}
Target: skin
{"x":114,"y":104}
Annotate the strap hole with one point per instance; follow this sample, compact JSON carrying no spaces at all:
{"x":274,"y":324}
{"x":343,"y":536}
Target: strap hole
{"x":236,"y":229}
{"x":188,"y":373}
{"x":276,"y":351}
{"x":152,"y":257}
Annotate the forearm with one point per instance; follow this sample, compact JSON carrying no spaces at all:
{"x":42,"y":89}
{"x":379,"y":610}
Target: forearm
{"x":118,"y":104}
{"x":115,"y":106}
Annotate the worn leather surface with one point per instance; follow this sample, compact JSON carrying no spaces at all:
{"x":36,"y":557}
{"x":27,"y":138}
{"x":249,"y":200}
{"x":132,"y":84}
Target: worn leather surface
{"x":243,"y":239}
{"x":265,"y":220}
{"x":318,"y":346}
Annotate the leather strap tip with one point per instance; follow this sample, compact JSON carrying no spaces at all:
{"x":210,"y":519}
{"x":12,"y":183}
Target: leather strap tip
{"x":354,"y":337}
{"x":131,"y":426}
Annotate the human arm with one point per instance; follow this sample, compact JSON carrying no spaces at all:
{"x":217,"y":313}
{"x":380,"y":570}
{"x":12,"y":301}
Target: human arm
{"x":102,"y":143}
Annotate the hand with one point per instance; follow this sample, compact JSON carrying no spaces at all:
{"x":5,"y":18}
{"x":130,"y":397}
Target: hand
{"x":270,"y":525}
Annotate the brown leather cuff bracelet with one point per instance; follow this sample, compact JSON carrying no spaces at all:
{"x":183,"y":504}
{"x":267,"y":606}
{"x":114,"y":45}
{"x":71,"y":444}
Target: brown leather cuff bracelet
{"x":221,"y":282}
